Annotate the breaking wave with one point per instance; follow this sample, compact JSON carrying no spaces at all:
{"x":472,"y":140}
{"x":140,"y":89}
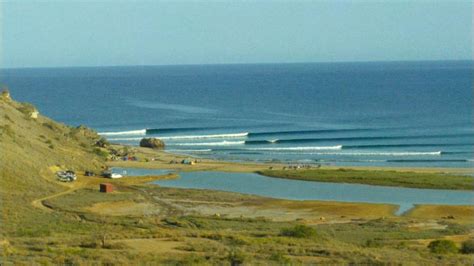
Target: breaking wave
{"x":306,"y":140}
{"x":221,"y":143}
{"x":338,"y":147}
{"x":197,"y":150}
{"x":130,"y":132}
{"x":407,"y":153}
{"x":312,"y":131}
{"x":213,"y":136}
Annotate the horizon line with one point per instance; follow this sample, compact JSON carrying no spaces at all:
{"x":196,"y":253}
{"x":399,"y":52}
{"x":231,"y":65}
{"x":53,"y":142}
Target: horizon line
{"x":255,"y":63}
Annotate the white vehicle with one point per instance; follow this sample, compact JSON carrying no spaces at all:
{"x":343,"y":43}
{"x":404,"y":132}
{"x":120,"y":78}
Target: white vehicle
{"x":114,"y":175}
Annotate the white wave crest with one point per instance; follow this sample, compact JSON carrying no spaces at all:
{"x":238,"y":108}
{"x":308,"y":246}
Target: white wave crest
{"x":311,"y":148}
{"x":221,"y":143}
{"x":198,"y":150}
{"x":124,"y":139}
{"x":434,"y":153}
{"x":214,"y":136}
{"x":118,"y":133}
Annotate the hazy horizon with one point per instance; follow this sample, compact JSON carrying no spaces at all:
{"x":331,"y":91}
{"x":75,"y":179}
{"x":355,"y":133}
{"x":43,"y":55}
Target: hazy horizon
{"x":255,"y":63}
{"x":88,"y":34}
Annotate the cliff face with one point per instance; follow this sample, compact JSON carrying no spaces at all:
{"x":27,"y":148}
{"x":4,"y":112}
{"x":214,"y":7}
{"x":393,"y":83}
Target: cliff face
{"x":32,"y":149}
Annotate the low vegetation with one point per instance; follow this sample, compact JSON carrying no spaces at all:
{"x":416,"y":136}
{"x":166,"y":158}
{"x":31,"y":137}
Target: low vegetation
{"x":380,"y":178}
{"x":443,"y":246}
{"x":299,"y":231}
{"x":468,"y":246}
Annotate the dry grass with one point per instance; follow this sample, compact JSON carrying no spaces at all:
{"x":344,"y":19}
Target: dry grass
{"x":460,"y":214}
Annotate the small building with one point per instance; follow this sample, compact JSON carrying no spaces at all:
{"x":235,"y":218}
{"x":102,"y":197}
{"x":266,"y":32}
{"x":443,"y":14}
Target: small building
{"x":106,"y":188}
{"x":34,"y":114}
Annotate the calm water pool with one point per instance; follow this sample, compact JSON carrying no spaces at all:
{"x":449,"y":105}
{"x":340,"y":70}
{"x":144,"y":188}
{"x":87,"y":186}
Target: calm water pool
{"x":255,"y":184}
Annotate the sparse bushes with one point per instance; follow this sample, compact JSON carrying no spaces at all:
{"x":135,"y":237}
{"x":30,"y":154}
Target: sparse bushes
{"x":468,"y":247}
{"x":299,"y":231}
{"x":442,"y":246}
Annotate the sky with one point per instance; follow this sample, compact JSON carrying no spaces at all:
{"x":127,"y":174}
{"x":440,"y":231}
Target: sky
{"x":110,"y":33}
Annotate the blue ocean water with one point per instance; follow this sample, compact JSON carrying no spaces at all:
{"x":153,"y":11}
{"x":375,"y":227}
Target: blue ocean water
{"x":380,"y":113}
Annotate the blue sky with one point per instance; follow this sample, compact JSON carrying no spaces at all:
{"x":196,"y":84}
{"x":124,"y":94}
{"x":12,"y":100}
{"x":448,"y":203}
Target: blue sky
{"x":68,"y":33}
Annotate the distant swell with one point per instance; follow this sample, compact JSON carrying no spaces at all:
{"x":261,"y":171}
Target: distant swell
{"x":302,"y":132}
{"x":429,"y":161}
{"x":301,"y":140}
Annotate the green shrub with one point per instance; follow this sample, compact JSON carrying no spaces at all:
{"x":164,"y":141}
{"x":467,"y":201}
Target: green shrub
{"x":280,"y":259}
{"x":300,"y":231}
{"x":101,"y":152}
{"x":468,"y":246}
{"x":442,"y":246}
{"x":236,"y":257}
{"x":102,"y":142}
{"x":373,"y":243}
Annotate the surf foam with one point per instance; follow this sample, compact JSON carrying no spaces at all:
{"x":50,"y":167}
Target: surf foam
{"x":221,"y":143}
{"x":130,"y":132}
{"x":337,"y":147}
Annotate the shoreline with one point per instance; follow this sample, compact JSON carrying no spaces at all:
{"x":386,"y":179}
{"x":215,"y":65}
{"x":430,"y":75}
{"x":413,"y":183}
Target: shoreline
{"x":170,"y":155}
{"x":438,"y":176}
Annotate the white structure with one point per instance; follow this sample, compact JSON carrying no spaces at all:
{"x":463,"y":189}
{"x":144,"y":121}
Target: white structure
{"x":34,"y":114}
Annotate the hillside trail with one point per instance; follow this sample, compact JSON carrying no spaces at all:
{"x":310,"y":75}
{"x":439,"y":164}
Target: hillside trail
{"x":38,"y":203}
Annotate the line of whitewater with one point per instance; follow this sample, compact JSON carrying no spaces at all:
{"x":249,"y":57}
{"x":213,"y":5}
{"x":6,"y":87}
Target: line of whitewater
{"x":221,"y":143}
{"x":311,"y":148}
{"x":126,"y":133}
{"x":404,"y":153}
{"x":211,"y":136}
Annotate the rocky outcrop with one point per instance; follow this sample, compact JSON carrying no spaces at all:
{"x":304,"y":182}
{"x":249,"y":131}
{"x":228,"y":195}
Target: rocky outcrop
{"x":153,"y":143}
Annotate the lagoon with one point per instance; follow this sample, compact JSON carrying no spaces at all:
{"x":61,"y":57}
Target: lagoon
{"x":251,"y":183}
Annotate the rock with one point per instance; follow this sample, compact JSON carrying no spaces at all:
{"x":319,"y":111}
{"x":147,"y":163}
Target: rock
{"x":6,"y":95}
{"x":153,"y":143}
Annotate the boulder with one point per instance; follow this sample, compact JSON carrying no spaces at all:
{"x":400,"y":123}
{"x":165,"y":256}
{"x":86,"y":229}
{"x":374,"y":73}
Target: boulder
{"x":153,"y":143}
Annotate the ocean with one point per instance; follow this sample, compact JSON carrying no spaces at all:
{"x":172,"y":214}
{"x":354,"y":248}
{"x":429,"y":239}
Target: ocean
{"x":411,"y":114}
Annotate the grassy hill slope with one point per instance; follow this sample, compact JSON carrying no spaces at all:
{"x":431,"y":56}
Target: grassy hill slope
{"x":31,"y":151}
